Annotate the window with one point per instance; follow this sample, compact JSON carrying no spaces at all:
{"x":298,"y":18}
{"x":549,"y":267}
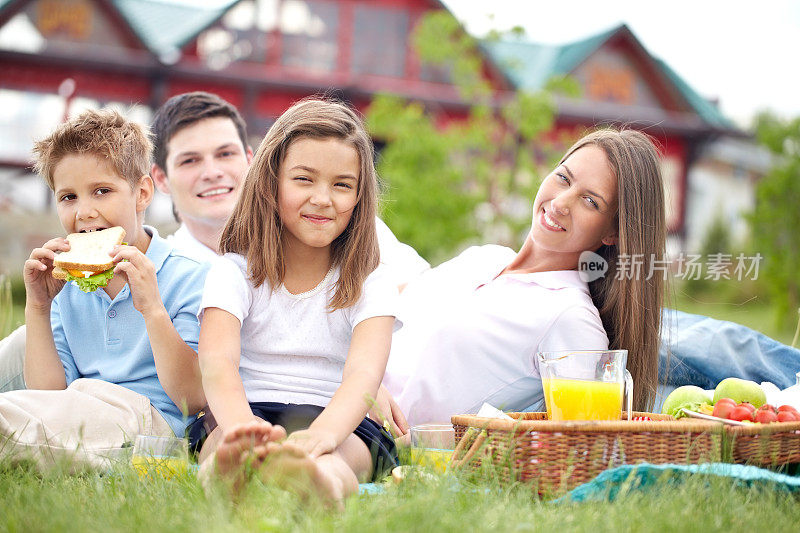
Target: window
{"x":310,"y":31}
{"x":241,"y":35}
{"x":380,"y":41}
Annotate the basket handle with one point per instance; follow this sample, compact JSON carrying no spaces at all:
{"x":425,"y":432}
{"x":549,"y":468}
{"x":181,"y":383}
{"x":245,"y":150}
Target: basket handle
{"x":473,"y":448}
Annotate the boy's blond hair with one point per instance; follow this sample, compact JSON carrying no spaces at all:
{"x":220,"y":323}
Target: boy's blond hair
{"x":105,"y":134}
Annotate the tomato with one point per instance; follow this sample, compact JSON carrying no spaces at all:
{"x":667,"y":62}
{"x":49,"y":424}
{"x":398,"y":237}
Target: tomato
{"x":725,"y":401}
{"x":750,"y":407}
{"x":787,"y":408}
{"x":765,"y":416}
{"x":787,"y":416}
{"x":768,"y":407}
{"x":741,"y":413}
{"x":723,"y":410}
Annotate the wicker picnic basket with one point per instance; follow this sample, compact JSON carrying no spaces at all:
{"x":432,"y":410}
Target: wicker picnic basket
{"x":774,"y":444}
{"x":557,"y":456}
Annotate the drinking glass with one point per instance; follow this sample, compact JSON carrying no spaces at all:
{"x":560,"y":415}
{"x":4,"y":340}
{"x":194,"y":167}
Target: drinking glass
{"x":163,"y":456}
{"x":586,"y":384}
{"x":433,"y":445}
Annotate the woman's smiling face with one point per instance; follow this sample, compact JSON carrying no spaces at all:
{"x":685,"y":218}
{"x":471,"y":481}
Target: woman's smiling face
{"x":575,"y":208}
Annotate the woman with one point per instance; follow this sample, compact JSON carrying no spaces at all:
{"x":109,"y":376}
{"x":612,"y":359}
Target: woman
{"x":473,"y":325}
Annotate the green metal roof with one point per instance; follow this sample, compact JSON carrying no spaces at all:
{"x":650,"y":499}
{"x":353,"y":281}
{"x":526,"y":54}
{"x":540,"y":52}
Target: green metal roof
{"x":529,"y":65}
{"x":165,"y":26}
{"x":707,"y":111}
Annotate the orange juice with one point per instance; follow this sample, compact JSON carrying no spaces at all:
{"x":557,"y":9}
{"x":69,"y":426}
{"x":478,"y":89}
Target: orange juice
{"x":167,"y":467}
{"x":577,"y":399}
{"x":434,"y":458}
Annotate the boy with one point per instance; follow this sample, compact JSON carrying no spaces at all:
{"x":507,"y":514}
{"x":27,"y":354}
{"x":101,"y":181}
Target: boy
{"x":199,"y":147}
{"x":120,"y":361}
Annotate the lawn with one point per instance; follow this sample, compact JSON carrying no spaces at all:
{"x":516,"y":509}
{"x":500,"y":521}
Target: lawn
{"x":121,"y":501}
{"x":755,"y":313}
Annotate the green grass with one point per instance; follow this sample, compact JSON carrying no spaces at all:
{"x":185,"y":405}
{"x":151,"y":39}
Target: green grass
{"x":748,"y":308}
{"x":122,"y":501}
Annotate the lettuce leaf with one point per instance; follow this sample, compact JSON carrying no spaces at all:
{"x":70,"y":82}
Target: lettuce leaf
{"x":688,"y":397}
{"x":92,"y":283}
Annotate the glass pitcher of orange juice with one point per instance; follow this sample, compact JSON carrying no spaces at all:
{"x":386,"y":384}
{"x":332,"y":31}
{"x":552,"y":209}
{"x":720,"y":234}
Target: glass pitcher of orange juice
{"x":586,"y":384}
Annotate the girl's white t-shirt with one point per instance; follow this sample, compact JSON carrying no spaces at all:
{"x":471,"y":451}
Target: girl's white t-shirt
{"x":293,"y":349}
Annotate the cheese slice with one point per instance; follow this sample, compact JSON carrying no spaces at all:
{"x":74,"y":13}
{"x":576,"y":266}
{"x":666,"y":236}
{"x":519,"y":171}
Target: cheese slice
{"x":81,"y":273}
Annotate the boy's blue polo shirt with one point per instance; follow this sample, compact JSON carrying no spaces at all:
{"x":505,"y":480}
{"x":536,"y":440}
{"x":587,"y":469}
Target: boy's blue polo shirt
{"x":105,"y":339}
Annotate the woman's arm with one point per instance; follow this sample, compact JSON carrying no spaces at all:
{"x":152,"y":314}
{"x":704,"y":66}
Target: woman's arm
{"x":220,"y":344}
{"x":363,"y":373}
{"x":387,"y":410}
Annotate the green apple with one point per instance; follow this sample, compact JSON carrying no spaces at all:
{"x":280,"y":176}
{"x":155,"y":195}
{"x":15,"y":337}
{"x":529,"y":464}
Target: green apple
{"x":740,"y":390}
{"x":688,"y":396}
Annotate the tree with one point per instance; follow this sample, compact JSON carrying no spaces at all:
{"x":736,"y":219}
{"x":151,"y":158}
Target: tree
{"x":472,"y":180}
{"x":776,"y":218}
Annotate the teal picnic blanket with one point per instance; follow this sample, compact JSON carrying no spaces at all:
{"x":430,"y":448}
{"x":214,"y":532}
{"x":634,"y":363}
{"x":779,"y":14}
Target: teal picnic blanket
{"x":608,"y":484}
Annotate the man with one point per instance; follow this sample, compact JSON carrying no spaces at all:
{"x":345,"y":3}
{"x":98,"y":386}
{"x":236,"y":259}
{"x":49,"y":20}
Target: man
{"x":201,"y":157}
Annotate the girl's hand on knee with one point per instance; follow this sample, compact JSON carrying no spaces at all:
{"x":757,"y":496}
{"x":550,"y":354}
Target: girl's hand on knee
{"x":313,"y":442}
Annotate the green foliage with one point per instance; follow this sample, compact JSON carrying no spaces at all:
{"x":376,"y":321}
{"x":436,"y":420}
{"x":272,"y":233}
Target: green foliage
{"x":776,"y":218}
{"x":425,"y":203}
{"x":453,"y":183}
{"x":717,"y":240}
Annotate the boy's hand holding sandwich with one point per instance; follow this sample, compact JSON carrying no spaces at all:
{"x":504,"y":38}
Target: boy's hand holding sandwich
{"x":139,"y":272}
{"x":40,"y":286}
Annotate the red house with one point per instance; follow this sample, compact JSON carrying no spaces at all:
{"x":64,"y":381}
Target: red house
{"x":263,"y":55}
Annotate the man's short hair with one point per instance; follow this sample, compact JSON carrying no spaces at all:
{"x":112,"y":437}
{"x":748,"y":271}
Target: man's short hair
{"x":105,"y":134}
{"x":184,"y":110}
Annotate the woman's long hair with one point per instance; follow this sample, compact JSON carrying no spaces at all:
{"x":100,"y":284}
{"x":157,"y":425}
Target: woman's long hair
{"x":254,"y":229}
{"x":630,"y":298}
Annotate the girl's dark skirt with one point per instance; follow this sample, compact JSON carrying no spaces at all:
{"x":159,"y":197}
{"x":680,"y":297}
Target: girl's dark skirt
{"x":295,"y":417}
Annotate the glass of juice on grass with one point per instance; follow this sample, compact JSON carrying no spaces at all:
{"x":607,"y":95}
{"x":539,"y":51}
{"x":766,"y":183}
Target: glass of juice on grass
{"x":432,"y":445}
{"x":586,"y":384}
{"x":160,"y":456}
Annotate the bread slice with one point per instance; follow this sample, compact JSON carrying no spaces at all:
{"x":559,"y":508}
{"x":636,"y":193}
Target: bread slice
{"x":88,"y":251}
{"x":60,"y":273}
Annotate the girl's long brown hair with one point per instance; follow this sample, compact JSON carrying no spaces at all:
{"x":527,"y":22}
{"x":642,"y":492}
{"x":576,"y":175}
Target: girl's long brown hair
{"x":630,"y":307}
{"x":254,"y":229}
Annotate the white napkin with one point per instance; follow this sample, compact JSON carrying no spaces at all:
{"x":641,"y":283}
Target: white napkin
{"x":777,"y":397}
{"x":488,"y":411}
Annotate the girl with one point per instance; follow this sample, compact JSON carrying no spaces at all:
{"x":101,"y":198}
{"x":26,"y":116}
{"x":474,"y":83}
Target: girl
{"x":473,"y":325}
{"x":296,"y":320}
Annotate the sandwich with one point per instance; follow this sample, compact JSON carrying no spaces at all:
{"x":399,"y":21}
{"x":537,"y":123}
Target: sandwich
{"x":88,"y":262}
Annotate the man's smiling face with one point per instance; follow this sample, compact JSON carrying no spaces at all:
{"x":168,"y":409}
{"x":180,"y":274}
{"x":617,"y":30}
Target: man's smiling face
{"x":206,"y":164}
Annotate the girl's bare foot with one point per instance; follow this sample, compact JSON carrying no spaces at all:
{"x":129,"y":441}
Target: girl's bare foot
{"x":291,"y":468}
{"x":242,"y":449}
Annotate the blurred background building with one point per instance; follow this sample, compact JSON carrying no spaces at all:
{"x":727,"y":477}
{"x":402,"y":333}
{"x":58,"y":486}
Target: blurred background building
{"x":58,"y":57}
